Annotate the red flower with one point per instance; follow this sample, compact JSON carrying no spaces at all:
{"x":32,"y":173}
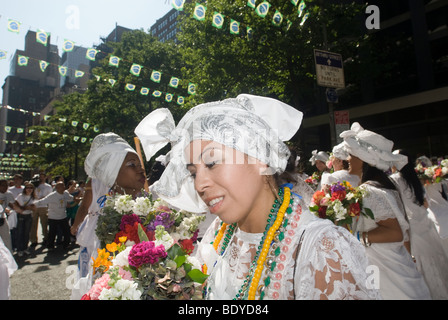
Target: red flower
{"x":86,"y":297}
{"x":354,"y":209}
{"x":131,"y":232}
{"x":322,"y":212}
{"x":187,"y":245}
{"x":338,"y":195}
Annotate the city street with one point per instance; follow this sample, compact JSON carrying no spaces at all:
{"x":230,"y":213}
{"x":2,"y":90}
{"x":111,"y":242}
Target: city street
{"x":44,"y":275}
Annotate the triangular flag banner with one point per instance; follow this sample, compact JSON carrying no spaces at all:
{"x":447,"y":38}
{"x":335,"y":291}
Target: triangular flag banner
{"x":42,"y":37}
{"x":75,"y":138}
{"x":136,"y":69}
{"x":14,"y":26}
{"x":98,"y":78}
{"x":191,"y":88}
{"x":218,"y":20}
{"x":174,"y":82}
{"x":295,"y":2}
{"x":91,"y":54}
{"x":168,"y":97}
{"x":156,"y":76}
{"x":19,"y":130}
{"x":277,"y":19}
{"x":62,"y":71}
{"x":68,"y":45}
{"x":144,"y":91}
{"x":112,"y":82}
{"x":47,"y":117}
{"x":22,"y":61}
{"x":251,"y":3}
{"x":3,"y":54}
{"x":43,"y":65}
{"x":74,"y":123}
{"x":85,"y":126}
{"x":178,"y":4}
{"x":114,"y":61}
{"x":305,"y":17}
{"x":8,"y":129}
{"x":96,"y":129}
{"x":234,"y":27}
{"x":199,"y":12}
{"x":63,"y":120}
{"x":157,"y":94}
{"x":249,"y":33}
{"x":263,"y":9}
{"x":83,"y":139}
{"x":180,"y":100}
{"x":79,"y":74}
{"x":130,"y":87}
{"x":301,"y":8}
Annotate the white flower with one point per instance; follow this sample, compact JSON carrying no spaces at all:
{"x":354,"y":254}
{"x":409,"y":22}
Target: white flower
{"x":142,"y":206}
{"x":349,"y":195}
{"x":339,"y":209}
{"x":429,"y":172}
{"x":121,"y":259}
{"x":163,"y":237}
{"x":444,"y":163}
{"x":444,"y":171}
{"x":124,"y":203}
{"x":122,"y":290}
{"x":194,"y":262}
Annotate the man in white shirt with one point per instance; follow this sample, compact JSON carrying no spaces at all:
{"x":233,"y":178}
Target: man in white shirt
{"x":57,"y":216}
{"x":42,"y":190}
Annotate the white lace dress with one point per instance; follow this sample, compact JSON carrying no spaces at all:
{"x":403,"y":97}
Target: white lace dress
{"x":431,"y":260}
{"x":399,"y":277}
{"x":330,"y":264}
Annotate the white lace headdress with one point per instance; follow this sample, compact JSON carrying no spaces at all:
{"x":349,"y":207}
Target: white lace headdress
{"x":321,"y":155}
{"x":340,"y":152}
{"x":105,"y":157}
{"x":372,"y":148}
{"x":254,"y":125}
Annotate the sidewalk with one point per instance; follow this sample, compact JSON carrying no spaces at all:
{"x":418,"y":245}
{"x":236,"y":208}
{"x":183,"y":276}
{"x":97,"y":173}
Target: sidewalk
{"x":44,"y":275}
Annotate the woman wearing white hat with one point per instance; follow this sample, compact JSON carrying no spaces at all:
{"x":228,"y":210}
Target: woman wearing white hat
{"x":264,"y":243}
{"x":371,"y":155}
{"x":113,"y":167}
{"x":341,"y":173}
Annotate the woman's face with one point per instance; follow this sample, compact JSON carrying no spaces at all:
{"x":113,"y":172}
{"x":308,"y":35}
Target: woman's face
{"x":131,"y":176}
{"x":230,"y":183}
{"x":321,"y":166}
{"x":338,"y":164}
{"x":355,"y":165}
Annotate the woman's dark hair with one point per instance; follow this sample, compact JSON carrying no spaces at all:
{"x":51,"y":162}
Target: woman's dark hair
{"x":377,"y":177}
{"x":411,"y":178}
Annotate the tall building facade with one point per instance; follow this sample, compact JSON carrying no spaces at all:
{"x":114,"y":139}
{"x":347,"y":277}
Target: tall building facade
{"x":407,"y":102}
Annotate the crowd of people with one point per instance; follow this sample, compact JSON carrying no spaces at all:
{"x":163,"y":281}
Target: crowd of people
{"x":229,"y":159}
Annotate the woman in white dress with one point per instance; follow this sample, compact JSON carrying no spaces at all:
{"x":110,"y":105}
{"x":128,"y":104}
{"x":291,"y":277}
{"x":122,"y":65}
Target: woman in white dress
{"x":114,"y":167}
{"x":430,"y":258}
{"x":384,"y":236}
{"x":341,"y":168}
{"x":225,"y":157}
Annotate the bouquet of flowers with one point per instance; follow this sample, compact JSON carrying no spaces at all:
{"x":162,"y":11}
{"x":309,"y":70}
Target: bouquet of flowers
{"x":146,"y":247}
{"x":314,"y":180}
{"x":432,"y":174}
{"x":340,"y":203}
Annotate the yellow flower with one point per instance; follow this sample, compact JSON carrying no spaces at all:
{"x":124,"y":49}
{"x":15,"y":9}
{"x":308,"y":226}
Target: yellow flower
{"x":112,"y":247}
{"x":123,"y":239}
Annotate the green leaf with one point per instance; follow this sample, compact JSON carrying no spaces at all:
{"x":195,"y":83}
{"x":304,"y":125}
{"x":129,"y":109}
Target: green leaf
{"x":141,"y":234}
{"x":175,"y":251}
{"x":197,"y":276}
{"x":367,"y":212}
{"x":180,"y":260}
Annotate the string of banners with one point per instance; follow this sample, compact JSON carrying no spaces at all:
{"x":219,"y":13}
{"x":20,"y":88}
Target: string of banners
{"x":262,"y":9}
{"x":91,"y":54}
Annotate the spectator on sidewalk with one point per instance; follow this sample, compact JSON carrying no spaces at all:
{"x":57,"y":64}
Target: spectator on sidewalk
{"x":41,"y":212}
{"x":57,"y":216}
{"x":24,"y":206}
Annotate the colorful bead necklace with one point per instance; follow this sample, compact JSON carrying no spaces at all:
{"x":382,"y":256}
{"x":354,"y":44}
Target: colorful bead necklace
{"x":271,"y":234}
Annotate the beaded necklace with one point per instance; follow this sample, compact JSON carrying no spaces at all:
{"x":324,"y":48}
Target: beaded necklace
{"x":274,"y":232}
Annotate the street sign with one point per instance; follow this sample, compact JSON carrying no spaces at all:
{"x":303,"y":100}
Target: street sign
{"x":342,"y":123}
{"x":332,"y":95}
{"x":329,"y":69}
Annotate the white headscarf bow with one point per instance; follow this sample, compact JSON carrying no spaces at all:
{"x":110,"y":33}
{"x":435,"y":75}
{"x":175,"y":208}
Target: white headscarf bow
{"x":254,"y":125}
{"x":105,"y":157}
{"x":372,"y":148}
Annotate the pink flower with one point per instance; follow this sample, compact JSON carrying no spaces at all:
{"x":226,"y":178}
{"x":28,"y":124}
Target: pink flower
{"x":146,"y":252}
{"x":98,"y":286}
